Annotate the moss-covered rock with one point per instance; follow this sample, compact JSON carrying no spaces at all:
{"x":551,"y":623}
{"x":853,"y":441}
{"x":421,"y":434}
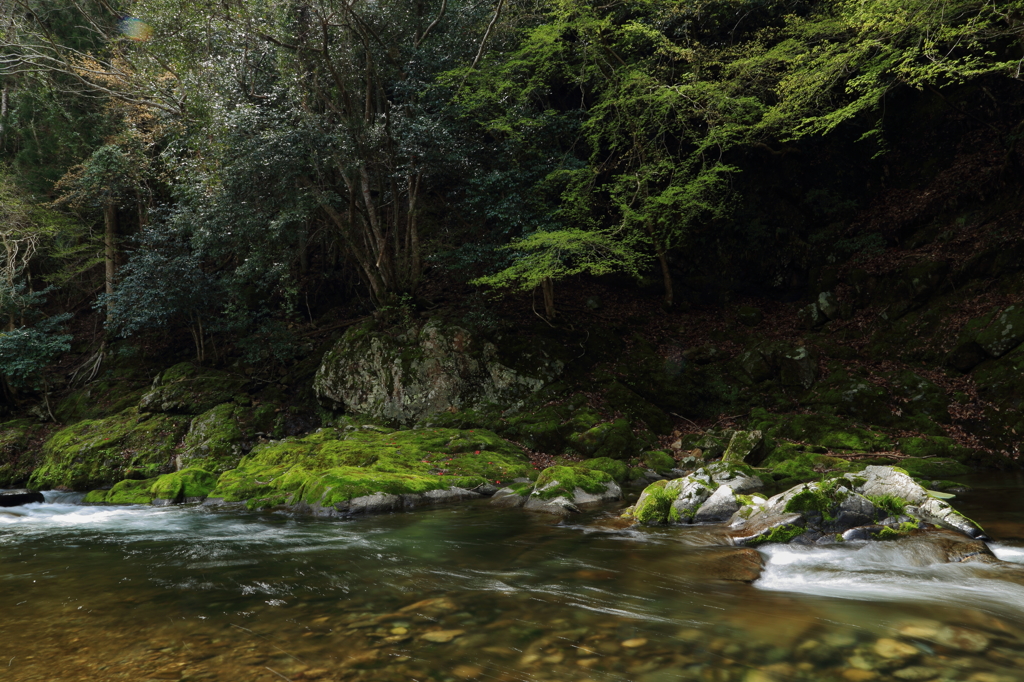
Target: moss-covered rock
{"x":846,"y":395}
{"x":187,"y":485}
{"x":818,"y":429}
{"x":99,"y":452}
{"x":611,"y":439}
{"x":615,"y":468}
{"x":410,"y":376}
{"x":921,"y":397}
{"x":1001,"y":331}
{"x":542,"y":430}
{"x":658,"y":460}
{"x":218,"y":438}
{"x":101,"y":398}
{"x":20,"y":441}
{"x":565,"y":489}
{"x":745,"y":447}
{"x":124,"y":492}
{"x":622,"y":399}
{"x":188,"y":389}
{"x":325,"y":471}
{"x":1002,"y":381}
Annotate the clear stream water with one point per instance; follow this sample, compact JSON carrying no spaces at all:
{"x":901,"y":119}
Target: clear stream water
{"x":471,"y":592}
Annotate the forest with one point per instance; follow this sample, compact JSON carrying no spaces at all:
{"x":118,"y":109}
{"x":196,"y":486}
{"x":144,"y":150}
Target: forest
{"x":592,"y":340}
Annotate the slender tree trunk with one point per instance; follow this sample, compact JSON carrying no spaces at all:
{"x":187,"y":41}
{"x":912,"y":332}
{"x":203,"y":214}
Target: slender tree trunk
{"x":666,"y":276}
{"x":3,"y":114}
{"x":109,"y":251}
{"x":547,"y":286}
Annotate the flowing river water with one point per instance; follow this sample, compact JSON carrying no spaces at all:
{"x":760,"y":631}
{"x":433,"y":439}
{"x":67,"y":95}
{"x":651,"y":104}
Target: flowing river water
{"x":475,"y":593}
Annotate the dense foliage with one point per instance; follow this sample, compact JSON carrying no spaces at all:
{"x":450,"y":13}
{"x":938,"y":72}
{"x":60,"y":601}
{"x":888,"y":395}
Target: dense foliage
{"x":251,"y":159}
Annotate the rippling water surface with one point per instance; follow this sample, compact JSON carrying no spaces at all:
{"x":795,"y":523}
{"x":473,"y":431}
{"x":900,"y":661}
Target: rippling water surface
{"x":469,"y":592}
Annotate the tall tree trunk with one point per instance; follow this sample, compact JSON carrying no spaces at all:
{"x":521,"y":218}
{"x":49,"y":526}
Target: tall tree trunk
{"x":666,"y":276}
{"x":109,"y":250}
{"x":547,"y":286}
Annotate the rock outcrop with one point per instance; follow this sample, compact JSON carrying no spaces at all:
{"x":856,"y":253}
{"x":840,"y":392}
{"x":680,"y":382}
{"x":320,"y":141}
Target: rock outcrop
{"x":408,"y":377}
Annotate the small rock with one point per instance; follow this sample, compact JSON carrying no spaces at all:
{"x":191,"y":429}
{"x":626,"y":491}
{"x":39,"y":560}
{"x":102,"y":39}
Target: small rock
{"x":467,"y":672}
{"x":634,"y":643}
{"x":438,"y":604}
{"x":916,"y":673}
{"x":891,"y":648}
{"x":961,"y":639}
{"x":919,"y":629}
{"x":858,"y":675}
{"x":442,"y":636}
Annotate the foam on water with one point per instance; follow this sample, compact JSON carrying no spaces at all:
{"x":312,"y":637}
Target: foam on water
{"x":902,"y":571}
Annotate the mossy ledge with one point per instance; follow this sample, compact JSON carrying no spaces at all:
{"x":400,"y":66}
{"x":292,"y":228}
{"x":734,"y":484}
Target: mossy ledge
{"x":337,"y":472}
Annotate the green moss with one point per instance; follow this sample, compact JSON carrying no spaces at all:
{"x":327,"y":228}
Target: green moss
{"x":622,"y":399}
{"x":96,"y":497}
{"x":562,"y":481}
{"x":615,"y":468}
{"x":781,"y":534}
{"x":654,"y":504}
{"x":185,"y":388}
{"x":611,"y":439}
{"x":886,"y":533}
{"x":101,"y":398}
{"x":218,"y":438}
{"x":333,"y":466}
{"x":19,"y":450}
{"x":99,"y":452}
{"x":192,"y":483}
{"x":890,"y":504}
{"x":818,"y":429}
{"x":131,"y":492}
{"x":791,"y":464}
{"x":659,"y":460}
{"x":819,"y":497}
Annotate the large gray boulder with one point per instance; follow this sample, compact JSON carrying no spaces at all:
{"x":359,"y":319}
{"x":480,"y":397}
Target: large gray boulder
{"x":408,"y":377}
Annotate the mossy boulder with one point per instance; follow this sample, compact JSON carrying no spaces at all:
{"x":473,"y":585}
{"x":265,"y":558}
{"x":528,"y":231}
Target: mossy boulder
{"x":745,"y":447}
{"x":617,"y":469}
{"x":218,"y":438}
{"x":613,"y":439}
{"x":624,"y":400}
{"x":101,"y":398}
{"x":921,"y":397}
{"x":658,"y":461}
{"x":852,"y":396}
{"x":818,"y":429}
{"x":187,"y":485}
{"x":188,"y":389}
{"x":335,"y":471}
{"x":795,"y":367}
{"x":409,"y":376}
{"x":100,"y":452}
{"x":1002,"y":381}
{"x":1001,"y":331}
{"x":566,"y":489}
{"x":943,"y":452}
{"x":124,"y":492}
{"x":542,"y":430}
{"x":20,"y":441}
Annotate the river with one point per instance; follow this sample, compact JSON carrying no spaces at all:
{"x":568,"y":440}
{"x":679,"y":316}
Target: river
{"x":475,"y":593}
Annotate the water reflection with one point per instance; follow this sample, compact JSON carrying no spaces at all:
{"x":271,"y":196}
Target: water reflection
{"x":139,"y":593}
